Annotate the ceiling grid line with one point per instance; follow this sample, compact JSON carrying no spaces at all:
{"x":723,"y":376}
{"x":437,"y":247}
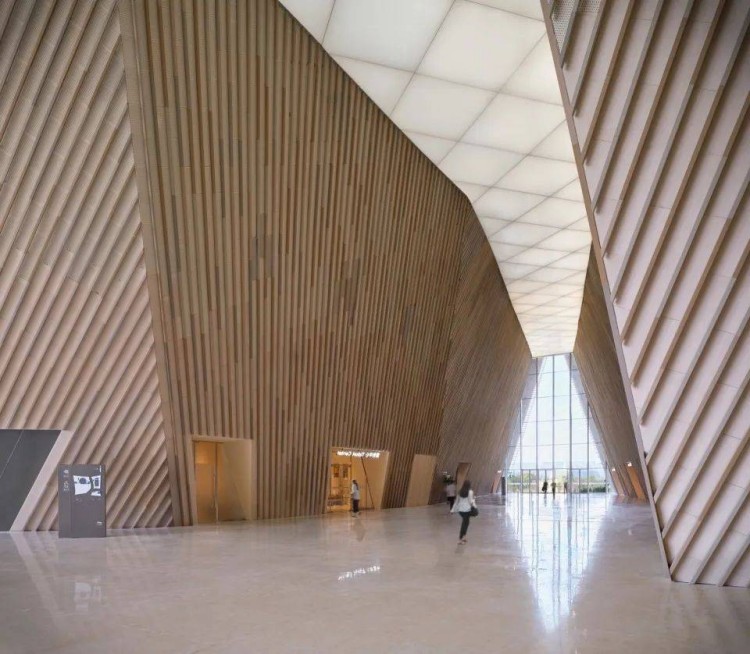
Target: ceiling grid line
{"x":473,"y":85}
{"x":414,"y":72}
{"x":488,"y":103}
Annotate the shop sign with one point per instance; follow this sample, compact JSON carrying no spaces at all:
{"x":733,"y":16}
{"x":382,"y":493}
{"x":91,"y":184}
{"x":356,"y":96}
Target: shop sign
{"x":359,"y":454}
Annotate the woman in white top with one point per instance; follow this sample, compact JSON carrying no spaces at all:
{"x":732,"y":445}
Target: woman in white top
{"x":465,"y":506}
{"x":355,"y":498}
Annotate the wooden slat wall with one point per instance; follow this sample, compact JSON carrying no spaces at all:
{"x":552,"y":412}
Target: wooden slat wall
{"x":660,"y":122}
{"x":305,"y":254}
{"x":600,"y":372}
{"x":76,"y":341}
{"x":487,"y":368}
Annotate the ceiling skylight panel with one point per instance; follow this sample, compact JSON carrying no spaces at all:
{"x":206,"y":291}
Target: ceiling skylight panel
{"x":535,"y":299}
{"x":581,"y":225}
{"x":524,"y":286}
{"x":539,"y":175}
{"x":527,"y":8}
{"x":512,"y":271}
{"x":571,"y":192}
{"x":557,"y":145}
{"x":524,"y":234}
{"x":501,"y":203}
{"x":554,"y":212}
{"x":536,"y":78}
{"x":515,"y":124}
{"x":439,"y":108}
{"x":537,"y":256}
{"x":575,"y":261}
{"x":549,"y":275}
{"x":478,"y":165}
{"x":479,"y":46}
{"x":567,"y":240}
{"x":387,"y":32}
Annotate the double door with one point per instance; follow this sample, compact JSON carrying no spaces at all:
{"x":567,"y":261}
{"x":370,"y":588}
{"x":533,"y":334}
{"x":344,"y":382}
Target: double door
{"x":224,"y":488}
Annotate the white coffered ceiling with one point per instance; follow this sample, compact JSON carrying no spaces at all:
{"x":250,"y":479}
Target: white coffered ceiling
{"x":473,"y":85}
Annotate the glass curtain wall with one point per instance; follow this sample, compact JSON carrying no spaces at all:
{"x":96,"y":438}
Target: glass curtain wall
{"x":559,"y":441}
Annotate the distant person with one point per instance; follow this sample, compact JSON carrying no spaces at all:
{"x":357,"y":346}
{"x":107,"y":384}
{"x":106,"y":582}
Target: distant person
{"x":544,"y":488}
{"x":554,"y":488}
{"x":565,"y":487}
{"x":450,"y":493}
{"x":466,"y":507}
{"x":355,"y":498}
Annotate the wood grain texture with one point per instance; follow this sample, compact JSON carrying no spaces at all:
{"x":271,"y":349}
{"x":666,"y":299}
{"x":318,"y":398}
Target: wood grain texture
{"x":487,"y":368}
{"x":662,"y":117}
{"x":600,"y":372}
{"x":307,"y":259}
{"x":76,"y":341}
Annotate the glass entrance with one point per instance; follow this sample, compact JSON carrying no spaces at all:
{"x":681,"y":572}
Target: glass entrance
{"x":575,"y":480}
{"x":557,"y":437}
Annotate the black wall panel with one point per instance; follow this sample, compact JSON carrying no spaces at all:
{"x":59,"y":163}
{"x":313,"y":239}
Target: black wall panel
{"x":22,"y":455}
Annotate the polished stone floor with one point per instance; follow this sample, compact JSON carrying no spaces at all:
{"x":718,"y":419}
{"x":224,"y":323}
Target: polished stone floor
{"x":573,"y":574}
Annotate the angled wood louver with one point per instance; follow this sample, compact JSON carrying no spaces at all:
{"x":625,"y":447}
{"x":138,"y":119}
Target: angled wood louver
{"x":76,"y":341}
{"x":657,"y":97}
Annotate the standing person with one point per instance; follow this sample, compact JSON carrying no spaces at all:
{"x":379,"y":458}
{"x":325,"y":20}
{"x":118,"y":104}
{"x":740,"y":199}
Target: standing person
{"x":355,"y":498}
{"x":554,"y":487}
{"x":466,"y":507}
{"x":544,"y":488}
{"x":450,"y":493}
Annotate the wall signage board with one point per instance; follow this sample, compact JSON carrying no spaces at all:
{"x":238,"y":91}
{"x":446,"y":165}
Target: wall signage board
{"x":358,"y":454}
{"x":81,"y":499}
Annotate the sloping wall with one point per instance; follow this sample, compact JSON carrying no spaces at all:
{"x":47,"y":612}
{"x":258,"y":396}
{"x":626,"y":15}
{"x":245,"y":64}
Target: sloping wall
{"x":76,"y":342}
{"x":306,"y":255}
{"x":657,"y":99}
{"x":487,"y":368}
{"x":600,"y":372}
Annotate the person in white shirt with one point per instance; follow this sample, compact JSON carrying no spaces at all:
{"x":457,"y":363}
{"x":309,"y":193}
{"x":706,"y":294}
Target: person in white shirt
{"x":450,"y":493}
{"x":465,"y":506}
{"x":355,"y":498}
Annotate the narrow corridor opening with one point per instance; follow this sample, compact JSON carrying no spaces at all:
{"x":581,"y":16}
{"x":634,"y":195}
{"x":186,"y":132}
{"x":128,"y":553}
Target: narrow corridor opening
{"x":558,"y":446}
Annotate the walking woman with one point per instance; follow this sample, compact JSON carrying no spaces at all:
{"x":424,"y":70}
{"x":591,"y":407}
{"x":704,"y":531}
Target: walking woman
{"x":355,"y":498}
{"x":466,"y":507}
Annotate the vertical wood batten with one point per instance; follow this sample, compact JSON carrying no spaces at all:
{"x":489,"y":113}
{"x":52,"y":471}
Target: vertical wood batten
{"x":309,"y":260}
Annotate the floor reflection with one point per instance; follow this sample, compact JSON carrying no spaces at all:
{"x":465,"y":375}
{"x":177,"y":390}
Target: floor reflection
{"x":569,"y":574}
{"x":557,"y":537}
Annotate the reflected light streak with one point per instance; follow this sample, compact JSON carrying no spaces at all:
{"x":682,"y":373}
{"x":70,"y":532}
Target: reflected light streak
{"x":358,"y":572}
{"x":557,"y":537}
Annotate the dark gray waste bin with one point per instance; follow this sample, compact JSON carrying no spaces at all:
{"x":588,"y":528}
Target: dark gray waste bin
{"x":81,"y":500}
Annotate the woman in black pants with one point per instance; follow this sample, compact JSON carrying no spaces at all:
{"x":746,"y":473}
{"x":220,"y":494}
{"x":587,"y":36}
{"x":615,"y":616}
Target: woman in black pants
{"x":355,"y":498}
{"x":465,"y":506}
